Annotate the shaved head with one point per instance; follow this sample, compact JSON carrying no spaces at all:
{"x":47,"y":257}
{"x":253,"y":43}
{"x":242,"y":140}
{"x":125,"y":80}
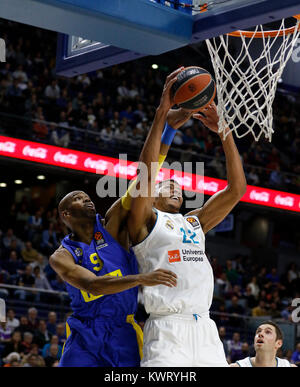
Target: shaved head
{"x":76,"y":207}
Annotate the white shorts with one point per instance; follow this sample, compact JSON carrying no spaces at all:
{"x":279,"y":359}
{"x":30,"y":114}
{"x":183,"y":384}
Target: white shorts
{"x":182,"y":341}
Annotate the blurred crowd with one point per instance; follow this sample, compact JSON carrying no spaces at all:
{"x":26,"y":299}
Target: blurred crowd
{"x":30,"y":341}
{"x":113,"y":109}
{"x":248,"y":289}
{"x":29,"y":238}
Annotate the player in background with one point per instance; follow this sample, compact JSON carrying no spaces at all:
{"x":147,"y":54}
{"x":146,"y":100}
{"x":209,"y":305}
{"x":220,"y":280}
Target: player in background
{"x":179,"y":331}
{"x":268,"y":339}
{"x":101,"y":274}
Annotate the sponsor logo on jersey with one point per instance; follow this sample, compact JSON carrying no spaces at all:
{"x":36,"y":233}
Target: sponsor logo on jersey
{"x":100,"y":241}
{"x":169,"y":225}
{"x":194,"y":222}
{"x":78,"y":252}
{"x":190,"y":255}
{"x":174,"y":256}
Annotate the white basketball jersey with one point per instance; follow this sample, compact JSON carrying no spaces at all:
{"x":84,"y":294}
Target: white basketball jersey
{"x":177,"y":243}
{"x":247,"y":362}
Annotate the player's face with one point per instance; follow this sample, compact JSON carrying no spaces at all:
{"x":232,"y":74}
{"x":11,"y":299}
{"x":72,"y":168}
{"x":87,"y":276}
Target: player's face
{"x":169,"y":197}
{"x":265,"y":339}
{"x":81,"y":206}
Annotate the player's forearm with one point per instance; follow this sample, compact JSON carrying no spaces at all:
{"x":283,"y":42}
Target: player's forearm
{"x":153,"y":144}
{"x":164,"y":149}
{"x":235,"y":173}
{"x":150,"y":152}
{"x":111,"y":285}
{"x":127,"y":198}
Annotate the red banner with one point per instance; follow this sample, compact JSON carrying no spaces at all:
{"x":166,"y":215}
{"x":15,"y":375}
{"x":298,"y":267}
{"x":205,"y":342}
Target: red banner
{"x":88,"y":162}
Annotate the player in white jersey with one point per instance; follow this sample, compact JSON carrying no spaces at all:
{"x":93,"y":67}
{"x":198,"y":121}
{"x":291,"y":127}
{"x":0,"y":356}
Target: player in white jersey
{"x":268,"y":339}
{"x":179,"y":331}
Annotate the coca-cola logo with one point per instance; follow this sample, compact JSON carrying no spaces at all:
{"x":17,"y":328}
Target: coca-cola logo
{"x":7,"y":146}
{"x":182,"y":180}
{"x":69,"y":158}
{"x":39,"y":153}
{"x":100,"y":165}
{"x":208,"y":187}
{"x":211,"y":187}
{"x":127,"y":170}
{"x":284,"y":200}
{"x":260,"y":196}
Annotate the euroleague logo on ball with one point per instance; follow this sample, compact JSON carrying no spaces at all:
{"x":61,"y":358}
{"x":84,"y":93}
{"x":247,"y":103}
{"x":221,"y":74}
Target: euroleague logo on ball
{"x":192,"y":87}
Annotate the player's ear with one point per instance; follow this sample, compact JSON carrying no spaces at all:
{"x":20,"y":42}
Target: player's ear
{"x":65,"y":214}
{"x":278,"y":344}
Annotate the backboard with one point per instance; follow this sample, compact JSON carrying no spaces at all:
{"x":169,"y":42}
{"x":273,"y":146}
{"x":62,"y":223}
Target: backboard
{"x":126,"y":30}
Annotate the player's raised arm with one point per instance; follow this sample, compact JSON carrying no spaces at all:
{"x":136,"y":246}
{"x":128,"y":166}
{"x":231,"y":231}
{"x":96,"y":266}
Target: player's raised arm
{"x":116,"y":216}
{"x":141,"y":206}
{"x":79,"y":277}
{"x":221,"y":203}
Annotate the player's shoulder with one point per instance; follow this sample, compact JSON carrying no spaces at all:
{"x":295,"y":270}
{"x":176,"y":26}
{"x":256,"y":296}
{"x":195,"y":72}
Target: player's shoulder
{"x":58,"y":254}
{"x":246,"y":362}
{"x":284,"y":363}
{"x":61,"y":261}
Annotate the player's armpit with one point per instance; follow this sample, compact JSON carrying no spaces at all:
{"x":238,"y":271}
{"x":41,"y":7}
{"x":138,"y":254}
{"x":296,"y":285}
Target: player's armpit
{"x":139,"y":228}
{"x":116,"y":210}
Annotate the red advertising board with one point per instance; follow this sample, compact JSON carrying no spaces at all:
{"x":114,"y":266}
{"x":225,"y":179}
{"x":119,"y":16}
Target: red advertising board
{"x":88,"y":162}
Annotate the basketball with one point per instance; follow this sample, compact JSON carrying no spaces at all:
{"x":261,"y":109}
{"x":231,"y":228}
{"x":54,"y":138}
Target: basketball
{"x":194,"y":88}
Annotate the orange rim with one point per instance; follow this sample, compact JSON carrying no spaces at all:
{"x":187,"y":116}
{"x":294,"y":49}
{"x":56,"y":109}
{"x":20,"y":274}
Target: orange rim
{"x":265,"y":34}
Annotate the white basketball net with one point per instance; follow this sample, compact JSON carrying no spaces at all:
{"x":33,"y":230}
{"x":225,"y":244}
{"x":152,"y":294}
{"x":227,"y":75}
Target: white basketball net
{"x":246,"y":93}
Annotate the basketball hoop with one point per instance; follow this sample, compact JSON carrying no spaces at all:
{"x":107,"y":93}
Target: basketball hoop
{"x":247,"y":79}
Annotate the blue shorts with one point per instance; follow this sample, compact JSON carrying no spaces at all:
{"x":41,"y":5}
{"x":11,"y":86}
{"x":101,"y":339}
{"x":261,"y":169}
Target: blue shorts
{"x":102,"y":343}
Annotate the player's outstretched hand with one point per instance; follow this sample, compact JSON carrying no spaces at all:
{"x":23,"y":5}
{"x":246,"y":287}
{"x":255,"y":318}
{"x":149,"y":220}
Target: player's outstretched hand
{"x":177,"y":117}
{"x":159,"y":277}
{"x":166,"y":100}
{"x":209,"y":117}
